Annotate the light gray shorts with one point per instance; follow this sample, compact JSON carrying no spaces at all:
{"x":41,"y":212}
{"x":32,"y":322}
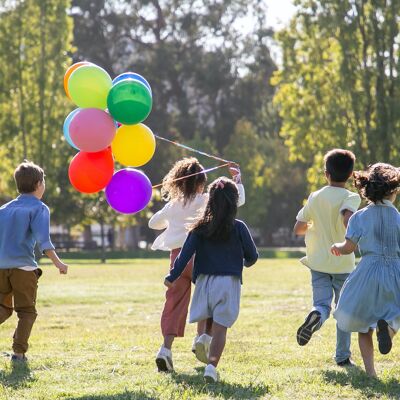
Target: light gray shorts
{"x":216,"y":297}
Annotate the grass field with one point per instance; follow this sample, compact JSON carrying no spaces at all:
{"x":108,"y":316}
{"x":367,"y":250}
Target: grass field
{"x":98,"y":331}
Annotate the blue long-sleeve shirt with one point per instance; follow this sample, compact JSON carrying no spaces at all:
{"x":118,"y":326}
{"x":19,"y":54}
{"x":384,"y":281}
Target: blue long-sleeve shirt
{"x":24,"y":222}
{"x":217,"y":257}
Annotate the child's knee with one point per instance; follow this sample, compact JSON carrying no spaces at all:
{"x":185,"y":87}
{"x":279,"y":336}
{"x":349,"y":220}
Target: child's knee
{"x":27,"y":313}
{"x":5,"y":313}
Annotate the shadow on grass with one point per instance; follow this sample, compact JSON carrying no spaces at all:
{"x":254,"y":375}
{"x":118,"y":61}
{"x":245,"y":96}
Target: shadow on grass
{"x":359,"y":380}
{"x":128,"y":395}
{"x":224,"y":389}
{"x":17,"y":376}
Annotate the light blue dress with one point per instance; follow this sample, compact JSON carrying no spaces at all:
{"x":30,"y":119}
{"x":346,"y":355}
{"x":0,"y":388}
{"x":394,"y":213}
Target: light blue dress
{"x":372,"y":290}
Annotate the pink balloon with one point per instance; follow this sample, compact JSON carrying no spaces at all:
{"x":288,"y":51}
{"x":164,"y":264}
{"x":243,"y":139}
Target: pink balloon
{"x":92,"y":130}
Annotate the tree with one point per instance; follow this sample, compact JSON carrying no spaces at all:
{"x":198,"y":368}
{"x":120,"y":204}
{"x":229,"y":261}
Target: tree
{"x":191,"y":53}
{"x":338,"y":85}
{"x":207,"y":76}
{"x":273,"y":193}
{"x":35,"y":40}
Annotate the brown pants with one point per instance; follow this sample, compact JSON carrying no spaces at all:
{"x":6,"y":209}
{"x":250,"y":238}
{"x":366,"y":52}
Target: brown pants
{"x":20,"y":286}
{"x":177,"y":299}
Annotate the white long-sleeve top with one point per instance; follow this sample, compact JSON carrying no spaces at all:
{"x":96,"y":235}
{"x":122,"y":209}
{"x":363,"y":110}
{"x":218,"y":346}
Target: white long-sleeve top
{"x":175,"y":218}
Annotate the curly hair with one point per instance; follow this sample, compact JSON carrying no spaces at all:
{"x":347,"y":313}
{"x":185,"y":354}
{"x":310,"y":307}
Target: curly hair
{"x":218,"y":218}
{"x":378,"y":182}
{"x":184,"y":189}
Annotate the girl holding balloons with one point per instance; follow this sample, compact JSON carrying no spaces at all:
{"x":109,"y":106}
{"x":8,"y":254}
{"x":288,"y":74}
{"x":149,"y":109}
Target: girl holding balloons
{"x":186,"y":201}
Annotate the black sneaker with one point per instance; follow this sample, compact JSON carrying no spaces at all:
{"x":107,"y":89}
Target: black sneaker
{"x":384,"y":339}
{"x":17,"y":359}
{"x":346,"y":363}
{"x":310,"y":325}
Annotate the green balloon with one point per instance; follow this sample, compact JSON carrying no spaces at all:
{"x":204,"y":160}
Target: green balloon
{"x":129,"y":102}
{"x":89,"y":86}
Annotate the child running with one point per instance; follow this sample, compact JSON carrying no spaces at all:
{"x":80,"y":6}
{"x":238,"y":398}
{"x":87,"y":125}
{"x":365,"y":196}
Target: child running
{"x":323,"y":221}
{"x":370,"y":297}
{"x":220,"y":244}
{"x":24,"y":222}
{"x":186,"y":202}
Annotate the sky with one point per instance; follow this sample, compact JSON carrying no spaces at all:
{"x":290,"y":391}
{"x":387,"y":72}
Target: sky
{"x":279,"y":12}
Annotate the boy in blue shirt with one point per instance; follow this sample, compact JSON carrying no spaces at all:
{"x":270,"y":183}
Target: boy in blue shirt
{"x":24,"y":222}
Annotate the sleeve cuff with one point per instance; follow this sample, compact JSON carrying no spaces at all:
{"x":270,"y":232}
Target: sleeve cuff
{"x":46,"y":246}
{"x":353,"y":239}
{"x":346,"y":208}
{"x":169,"y":278}
{"x":242,"y":195}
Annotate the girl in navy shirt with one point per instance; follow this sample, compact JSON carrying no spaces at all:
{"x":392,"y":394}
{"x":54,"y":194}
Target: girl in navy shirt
{"x":222,"y":245}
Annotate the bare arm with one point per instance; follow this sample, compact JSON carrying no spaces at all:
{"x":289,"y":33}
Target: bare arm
{"x":56,"y":261}
{"x":346,"y":247}
{"x":234,"y":170}
{"x":300,"y":228}
{"x":346,"y":216}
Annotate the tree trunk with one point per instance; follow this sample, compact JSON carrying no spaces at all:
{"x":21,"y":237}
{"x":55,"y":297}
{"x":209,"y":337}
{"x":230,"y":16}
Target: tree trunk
{"x":87,"y":237}
{"x":103,"y":247}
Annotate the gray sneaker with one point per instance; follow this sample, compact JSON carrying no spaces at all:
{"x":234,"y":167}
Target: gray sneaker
{"x":311,"y":324}
{"x":202,"y":347}
{"x":211,"y":374}
{"x":18,"y":359}
{"x":164,"y":360}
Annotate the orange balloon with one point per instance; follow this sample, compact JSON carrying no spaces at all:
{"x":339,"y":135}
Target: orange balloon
{"x":70,"y":70}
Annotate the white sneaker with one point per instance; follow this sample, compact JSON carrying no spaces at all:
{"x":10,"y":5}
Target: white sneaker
{"x":210,"y":374}
{"x":202,"y":346}
{"x":164,"y":360}
{"x":196,"y":338}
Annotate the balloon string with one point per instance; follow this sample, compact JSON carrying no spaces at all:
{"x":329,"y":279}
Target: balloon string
{"x":193,"y":150}
{"x":196,"y":173}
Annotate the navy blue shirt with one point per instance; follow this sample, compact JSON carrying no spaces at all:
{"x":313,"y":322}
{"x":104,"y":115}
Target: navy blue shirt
{"x":217,"y":257}
{"x":24,"y":222}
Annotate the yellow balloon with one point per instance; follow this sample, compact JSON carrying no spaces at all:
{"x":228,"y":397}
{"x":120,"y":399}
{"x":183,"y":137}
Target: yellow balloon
{"x":133,"y":145}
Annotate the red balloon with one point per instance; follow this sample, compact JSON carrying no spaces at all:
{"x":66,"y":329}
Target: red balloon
{"x":91,"y":172}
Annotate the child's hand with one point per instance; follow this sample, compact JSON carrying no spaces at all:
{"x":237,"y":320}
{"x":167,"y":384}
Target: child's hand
{"x":167,"y":283}
{"x":234,"y":170}
{"x":63,"y":268}
{"x":335,"y":251}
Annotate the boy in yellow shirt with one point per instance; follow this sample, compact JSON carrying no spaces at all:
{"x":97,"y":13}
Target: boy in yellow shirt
{"x":323,"y":221}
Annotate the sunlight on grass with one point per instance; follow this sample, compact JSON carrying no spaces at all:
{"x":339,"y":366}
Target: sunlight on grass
{"x":98,"y":331}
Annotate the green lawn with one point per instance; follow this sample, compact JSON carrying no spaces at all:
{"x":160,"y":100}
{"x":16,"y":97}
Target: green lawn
{"x":98,"y":332}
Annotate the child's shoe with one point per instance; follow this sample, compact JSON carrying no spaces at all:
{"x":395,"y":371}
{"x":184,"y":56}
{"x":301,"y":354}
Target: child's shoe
{"x":202,"y":347}
{"x":311,"y":324}
{"x":164,"y":360}
{"x":348,"y":362}
{"x":18,"y":359}
{"x":210,"y":374}
{"x":384,"y":339}
{"x":194,"y":344}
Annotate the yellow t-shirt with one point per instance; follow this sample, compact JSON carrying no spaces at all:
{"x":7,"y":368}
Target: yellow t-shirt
{"x":324,"y":213}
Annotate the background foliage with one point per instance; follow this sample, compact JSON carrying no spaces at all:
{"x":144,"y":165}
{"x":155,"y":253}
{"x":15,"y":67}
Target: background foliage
{"x":215,"y":87}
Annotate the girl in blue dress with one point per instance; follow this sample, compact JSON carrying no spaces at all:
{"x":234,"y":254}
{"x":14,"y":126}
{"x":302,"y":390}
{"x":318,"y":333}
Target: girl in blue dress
{"x":370,"y":297}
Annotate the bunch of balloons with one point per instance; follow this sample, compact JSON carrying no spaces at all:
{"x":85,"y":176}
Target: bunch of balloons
{"x":107,"y":126}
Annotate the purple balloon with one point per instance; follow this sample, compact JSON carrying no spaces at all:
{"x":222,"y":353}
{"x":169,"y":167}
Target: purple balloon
{"x":129,"y":191}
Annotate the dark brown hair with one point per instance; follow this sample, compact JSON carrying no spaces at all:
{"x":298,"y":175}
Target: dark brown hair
{"x":339,"y":164}
{"x":219,"y":215}
{"x":185,"y":189}
{"x":27,"y":176}
{"x":377,"y":182}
